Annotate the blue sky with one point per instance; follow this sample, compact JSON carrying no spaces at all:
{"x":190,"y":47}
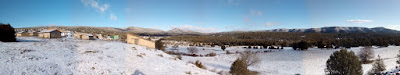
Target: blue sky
{"x":202,"y":15}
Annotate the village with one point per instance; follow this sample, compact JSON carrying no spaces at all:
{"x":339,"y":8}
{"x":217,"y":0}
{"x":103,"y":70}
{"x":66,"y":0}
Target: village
{"x":51,"y":33}
{"x":61,"y":33}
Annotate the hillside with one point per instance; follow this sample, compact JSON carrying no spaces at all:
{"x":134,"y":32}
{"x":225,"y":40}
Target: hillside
{"x":338,"y":30}
{"x":83,"y":57}
{"x":118,"y":31}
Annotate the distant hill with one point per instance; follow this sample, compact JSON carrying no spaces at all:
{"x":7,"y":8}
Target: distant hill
{"x":338,"y":30}
{"x":182,"y":31}
{"x":177,"y":31}
{"x":116,"y":31}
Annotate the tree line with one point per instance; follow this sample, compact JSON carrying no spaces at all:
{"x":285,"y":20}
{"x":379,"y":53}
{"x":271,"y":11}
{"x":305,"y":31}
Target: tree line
{"x":286,"y":39}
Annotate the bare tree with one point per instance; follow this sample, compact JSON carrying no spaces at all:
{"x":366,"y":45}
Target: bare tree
{"x":250,"y":58}
{"x":192,"y":50}
{"x":175,"y":47}
{"x":398,"y":58}
{"x":378,"y":67}
{"x":366,"y":54}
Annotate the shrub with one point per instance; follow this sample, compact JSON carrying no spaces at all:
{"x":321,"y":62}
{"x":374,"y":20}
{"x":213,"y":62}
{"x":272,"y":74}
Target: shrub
{"x":160,"y":55}
{"x":239,"y":67}
{"x":398,"y":58}
{"x":7,"y":33}
{"x":188,"y":72}
{"x":378,"y":67}
{"x":249,"y":58}
{"x":198,"y":64}
{"x":169,"y":52}
{"x":303,"y":45}
{"x":366,"y":54}
{"x":228,"y":52}
{"x":343,"y":63}
{"x":175,"y":47}
{"x":179,"y":57}
{"x":223,"y":47}
{"x":160,"y":45}
{"x":211,"y":54}
{"x":139,"y":55}
{"x":192,"y":50}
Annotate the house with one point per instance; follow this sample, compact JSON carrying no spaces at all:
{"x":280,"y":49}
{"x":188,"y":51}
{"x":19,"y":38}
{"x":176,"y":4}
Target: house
{"x":99,"y":36}
{"x":33,"y":33}
{"x":87,"y":36}
{"x":22,"y":34}
{"x":84,"y":36}
{"x":136,"y":40}
{"x":50,"y":33}
{"x":114,"y":37}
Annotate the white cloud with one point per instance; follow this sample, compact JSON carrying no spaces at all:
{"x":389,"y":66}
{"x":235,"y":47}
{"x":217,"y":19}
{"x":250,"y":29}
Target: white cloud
{"x":113,"y":17}
{"x":195,"y":28}
{"x":359,"y":21}
{"x":394,"y":27}
{"x":96,"y":5}
{"x":233,"y":2}
{"x":271,"y":23}
{"x":256,"y":13}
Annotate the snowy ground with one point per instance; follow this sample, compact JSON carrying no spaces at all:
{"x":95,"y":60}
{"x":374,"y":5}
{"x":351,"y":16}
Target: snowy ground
{"x":67,"y":56}
{"x":287,"y":61}
{"x":216,"y":49}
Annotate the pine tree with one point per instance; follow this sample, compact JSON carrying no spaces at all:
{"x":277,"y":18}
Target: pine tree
{"x":159,"y":45}
{"x":223,"y":47}
{"x":321,"y":44}
{"x":378,"y":67}
{"x":343,"y":63}
{"x":7,"y":33}
{"x":398,"y":58}
{"x":366,"y":54}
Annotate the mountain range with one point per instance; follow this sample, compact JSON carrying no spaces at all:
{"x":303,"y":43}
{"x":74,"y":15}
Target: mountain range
{"x":177,"y":31}
{"x":338,"y":30}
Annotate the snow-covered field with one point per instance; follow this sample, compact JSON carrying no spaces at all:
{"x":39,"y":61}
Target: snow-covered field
{"x":288,"y":61}
{"x":36,"y":56}
{"x":69,"y":56}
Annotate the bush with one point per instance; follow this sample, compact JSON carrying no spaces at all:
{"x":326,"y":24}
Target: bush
{"x":343,"y":63}
{"x":198,"y":64}
{"x":192,"y":50}
{"x":7,"y":33}
{"x":378,"y":67}
{"x":249,"y":58}
{"x":160,"y":45}
{"x":211,"y":54}
{"x":228,"y":52}
{"x":223,"y":47}
{"x":239,"y":67}
{"x":398,"y":58}
{"x":303,"y":45}
{"x":175,"y":47}
{"x":366,"y":54}
{"x":160,"y":55}
{"x":179,"y":57}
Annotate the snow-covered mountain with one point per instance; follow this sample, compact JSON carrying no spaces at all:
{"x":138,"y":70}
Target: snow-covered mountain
{"x":182,"y":31}
{"x":177,"y":31}
{"x":338,"y":30}
{"x":138,"y":30}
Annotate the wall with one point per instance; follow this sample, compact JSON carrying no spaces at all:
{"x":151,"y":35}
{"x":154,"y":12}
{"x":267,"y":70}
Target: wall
{"x":44,"y":35}
{"x":136,"y":40}
{"x":55,"y":34}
